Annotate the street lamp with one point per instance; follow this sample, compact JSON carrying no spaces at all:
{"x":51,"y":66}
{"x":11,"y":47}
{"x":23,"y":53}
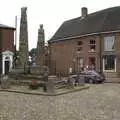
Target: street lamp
{"x":15,"y":40}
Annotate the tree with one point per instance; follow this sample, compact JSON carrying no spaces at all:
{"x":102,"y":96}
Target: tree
{"x":32,"y":54}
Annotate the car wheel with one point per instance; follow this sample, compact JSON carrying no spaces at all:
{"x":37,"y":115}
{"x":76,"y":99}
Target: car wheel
{"x":94,"y":82}
{"x":101,"y":82}
{"x":90,"y":81}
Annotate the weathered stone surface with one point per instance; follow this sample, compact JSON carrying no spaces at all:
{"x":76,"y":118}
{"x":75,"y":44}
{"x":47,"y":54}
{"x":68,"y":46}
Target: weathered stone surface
{"x":23,"y":40}
{"x":50,"y":85}
{"x":5,"y":82}
{"x":38,"y":70}
{"x":40,"y":53}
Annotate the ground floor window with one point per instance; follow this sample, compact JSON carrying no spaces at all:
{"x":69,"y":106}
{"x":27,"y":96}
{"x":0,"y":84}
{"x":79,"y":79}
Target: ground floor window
{"x":109,"y":63}
{"x":80,"y":63}
{"x":92,"y":62}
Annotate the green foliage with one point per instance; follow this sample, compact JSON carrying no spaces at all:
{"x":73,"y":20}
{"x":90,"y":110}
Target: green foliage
{"x":32,"y":54}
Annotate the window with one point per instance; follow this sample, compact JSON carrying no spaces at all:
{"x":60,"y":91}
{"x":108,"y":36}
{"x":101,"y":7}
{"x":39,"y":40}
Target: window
{"x":92,"y":62}
{"x":92,"y":41}
{"x":79,"y":46}
{"x":92,"y":46}
{"x":79,"y":43}
{"x":79,"y":49}
{"x":79,"y":63}
{"x":109,"y":63}
{"x":109,"y":43}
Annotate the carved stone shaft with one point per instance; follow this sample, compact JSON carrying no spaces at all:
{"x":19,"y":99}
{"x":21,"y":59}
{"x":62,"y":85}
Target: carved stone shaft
{"x":40,"y":53}
{"x":23,"y":39}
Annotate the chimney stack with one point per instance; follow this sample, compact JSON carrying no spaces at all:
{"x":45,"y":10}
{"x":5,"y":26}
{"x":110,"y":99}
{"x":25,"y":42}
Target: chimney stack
{"x":84,"y":12}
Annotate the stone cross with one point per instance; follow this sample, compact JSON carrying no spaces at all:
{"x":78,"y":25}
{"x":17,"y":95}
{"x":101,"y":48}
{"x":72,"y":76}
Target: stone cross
{"x":40,"y":53}
{"x":23,"y":39}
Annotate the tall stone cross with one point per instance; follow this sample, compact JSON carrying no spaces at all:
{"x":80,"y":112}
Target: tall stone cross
{"x":23,"y":39}
{"x":40,"y":57}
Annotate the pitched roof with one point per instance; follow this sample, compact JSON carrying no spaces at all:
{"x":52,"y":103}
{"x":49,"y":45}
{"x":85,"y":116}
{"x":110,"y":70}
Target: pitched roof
{"x":101,"y":21}
{"x":6,"y":27}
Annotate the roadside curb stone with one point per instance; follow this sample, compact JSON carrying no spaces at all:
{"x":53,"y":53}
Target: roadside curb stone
{"x":47,"y":94}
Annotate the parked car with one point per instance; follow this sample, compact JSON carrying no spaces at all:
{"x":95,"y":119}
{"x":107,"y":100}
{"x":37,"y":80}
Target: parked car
{"x":91,"y":76}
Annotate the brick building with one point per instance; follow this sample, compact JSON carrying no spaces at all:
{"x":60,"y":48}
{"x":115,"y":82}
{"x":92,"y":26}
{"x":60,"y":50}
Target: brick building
{"x":6,"y":48}
{"x":91,"y":40}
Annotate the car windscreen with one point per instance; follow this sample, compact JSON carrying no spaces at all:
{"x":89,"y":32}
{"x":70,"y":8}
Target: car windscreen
{"x":95,"y":73}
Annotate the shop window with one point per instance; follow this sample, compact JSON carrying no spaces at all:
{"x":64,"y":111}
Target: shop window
{"x":109,"y":63}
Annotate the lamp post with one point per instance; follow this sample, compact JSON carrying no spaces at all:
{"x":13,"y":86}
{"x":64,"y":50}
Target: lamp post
{"x":15,"y":43}
{"x":17,"y":17}
{"x":100,"y":55}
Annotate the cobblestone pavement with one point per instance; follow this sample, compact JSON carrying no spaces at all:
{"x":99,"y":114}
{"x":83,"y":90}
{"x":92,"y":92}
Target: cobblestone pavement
{"x":100,"y":102}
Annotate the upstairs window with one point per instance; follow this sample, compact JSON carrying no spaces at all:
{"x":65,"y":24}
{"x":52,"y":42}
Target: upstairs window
{"x":92,"y":46}
{"x":92,"y":41}
{"x":109,"y":44}
{"x":79,"y":43}
{"x":79,"y":49}
{"x":79,"y":46}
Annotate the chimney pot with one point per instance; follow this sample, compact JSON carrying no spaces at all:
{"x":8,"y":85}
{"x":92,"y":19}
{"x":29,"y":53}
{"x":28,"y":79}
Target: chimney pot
{"x":84,"y":12}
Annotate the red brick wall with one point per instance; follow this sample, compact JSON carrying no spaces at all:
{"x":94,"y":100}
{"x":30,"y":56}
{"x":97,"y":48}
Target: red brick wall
{"x":7,"y":39}
{"x":63,"y":53}
{"x":117,"y":48}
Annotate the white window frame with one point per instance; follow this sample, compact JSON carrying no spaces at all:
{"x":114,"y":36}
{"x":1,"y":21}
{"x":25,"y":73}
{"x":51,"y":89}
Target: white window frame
{"x":90,"y":50}
{"x":109,"y":70}
{"x":108,"y":40}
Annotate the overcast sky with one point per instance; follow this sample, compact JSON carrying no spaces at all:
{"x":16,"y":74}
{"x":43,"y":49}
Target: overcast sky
{"x":50,"y":13}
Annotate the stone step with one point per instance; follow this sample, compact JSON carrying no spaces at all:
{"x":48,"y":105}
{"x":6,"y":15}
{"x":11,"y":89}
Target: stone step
{"x":112,"y":80}
{"x":111,"y":75}
{"x":24,"y":82}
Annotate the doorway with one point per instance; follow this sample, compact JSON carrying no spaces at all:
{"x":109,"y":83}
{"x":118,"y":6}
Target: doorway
{"x":6,"y":65}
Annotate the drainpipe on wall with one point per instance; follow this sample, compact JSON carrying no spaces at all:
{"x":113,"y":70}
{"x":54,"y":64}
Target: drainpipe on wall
{"x":101,"y":55}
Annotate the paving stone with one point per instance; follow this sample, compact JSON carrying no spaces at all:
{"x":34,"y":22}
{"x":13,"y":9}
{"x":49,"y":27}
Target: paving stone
{"x":99,"y":102}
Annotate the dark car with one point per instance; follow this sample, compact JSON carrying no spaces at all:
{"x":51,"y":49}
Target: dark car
{"x":92,"y":76}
